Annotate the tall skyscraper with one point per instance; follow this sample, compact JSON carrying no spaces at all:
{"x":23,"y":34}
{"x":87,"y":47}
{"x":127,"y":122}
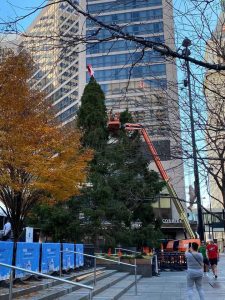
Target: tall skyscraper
{"x":58,"y":60}
{"x":127,"y":71}
{"x":214,"y":89}
{"x":140,"y":79}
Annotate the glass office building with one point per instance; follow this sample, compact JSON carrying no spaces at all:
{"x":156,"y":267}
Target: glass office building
{"x":57,"y":60}
{"x":131,"y":75}
{"x":138,"y":78}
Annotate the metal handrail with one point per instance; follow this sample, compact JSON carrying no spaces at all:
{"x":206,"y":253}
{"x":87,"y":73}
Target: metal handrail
{"x":43,"y":275}
{"x":107,"y":259}
{"x":105,"y":253}
{"x":132,"y":251}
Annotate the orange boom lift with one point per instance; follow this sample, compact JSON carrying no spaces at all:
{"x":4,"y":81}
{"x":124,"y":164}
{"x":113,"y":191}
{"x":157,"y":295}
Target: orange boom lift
{"x":114,"y":124}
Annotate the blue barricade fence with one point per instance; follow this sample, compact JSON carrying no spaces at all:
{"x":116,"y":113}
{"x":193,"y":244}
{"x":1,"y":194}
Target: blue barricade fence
{"x":50,"y":257}
{"x":27,"y":257}
{"x":6,"y":256}
{"x":79,"y":257}
{"x":68,"y":257}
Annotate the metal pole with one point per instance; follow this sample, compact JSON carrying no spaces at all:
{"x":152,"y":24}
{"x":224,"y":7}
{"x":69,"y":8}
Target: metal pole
{"x":90,"y":295}
{"x":194,"y":149}
{"x":135,"y":275}
{"x":95,"y":271}
{"x":60,"y":264}
{"x":11,"y":285}
{"x":156,"y":264}
{"x":209,"y":230}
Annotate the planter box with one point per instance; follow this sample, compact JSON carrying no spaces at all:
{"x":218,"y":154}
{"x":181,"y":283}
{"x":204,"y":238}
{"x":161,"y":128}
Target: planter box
{"x":144,"y":266}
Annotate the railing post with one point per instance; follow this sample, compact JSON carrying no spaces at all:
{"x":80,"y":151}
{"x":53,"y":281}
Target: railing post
{"x":156,"y":264}
{"x":90,"y":295}
{"x":135,"y":275}
{"x":95,"y":271}
{"x":60,"y":263}
{"x":10,"y":284}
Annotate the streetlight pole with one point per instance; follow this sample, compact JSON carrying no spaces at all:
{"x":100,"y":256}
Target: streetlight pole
{"x":186,"y":52}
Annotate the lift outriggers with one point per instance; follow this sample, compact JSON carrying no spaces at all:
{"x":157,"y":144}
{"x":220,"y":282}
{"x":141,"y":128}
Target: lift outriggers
{"x":114,"y":124}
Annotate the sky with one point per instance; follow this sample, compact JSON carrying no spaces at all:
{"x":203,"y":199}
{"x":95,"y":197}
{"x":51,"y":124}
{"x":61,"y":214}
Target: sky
{"x":10,"y":9}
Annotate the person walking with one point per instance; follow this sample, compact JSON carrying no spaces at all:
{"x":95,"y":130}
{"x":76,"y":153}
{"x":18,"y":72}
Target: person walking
{"x":213,"y":256}
{"x":194,"y":271}
{"x":202,"y":250}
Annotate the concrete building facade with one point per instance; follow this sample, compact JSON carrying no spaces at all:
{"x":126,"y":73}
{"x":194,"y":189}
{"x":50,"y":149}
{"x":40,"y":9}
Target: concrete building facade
{"x":214,"y":89}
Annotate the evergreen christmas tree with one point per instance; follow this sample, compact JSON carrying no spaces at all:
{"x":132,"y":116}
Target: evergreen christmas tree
{"x":92,"y":116}
{"x":119,"y":179}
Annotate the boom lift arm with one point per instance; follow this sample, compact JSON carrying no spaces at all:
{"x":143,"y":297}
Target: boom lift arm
{"x":171,"y":190}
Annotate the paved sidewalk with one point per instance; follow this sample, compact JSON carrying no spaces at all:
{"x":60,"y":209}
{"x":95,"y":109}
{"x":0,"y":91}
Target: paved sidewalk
{"x":172,"y":286}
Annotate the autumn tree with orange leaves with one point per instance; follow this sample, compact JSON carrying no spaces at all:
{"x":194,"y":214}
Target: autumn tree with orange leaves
{"x":39,"y":159}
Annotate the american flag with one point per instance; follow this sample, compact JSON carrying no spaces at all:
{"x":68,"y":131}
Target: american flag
{"x":90,"y":70}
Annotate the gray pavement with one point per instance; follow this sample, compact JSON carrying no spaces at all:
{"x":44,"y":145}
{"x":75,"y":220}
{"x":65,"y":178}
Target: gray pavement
{"x":172,"y":286}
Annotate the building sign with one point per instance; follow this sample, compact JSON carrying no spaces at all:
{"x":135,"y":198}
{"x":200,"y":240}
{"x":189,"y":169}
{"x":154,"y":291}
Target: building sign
{"x":27,"y":257}
{"x":171,"y":221}
{"x":50,"y":257}
{"x":6,"y":254}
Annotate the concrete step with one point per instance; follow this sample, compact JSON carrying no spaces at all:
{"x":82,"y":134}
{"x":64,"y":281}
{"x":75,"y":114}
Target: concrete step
{"x":24,"y":291}
{"x":117,"y":290}
{"x":54,"y":292}
{"x":109,"y":288}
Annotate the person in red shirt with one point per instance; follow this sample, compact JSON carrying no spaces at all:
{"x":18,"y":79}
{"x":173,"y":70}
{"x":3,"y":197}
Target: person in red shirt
{"x":213,"y":256}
